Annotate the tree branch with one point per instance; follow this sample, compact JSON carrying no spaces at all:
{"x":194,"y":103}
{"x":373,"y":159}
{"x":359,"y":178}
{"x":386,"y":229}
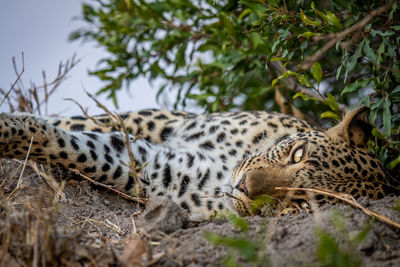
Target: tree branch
{"x":294,"y":86}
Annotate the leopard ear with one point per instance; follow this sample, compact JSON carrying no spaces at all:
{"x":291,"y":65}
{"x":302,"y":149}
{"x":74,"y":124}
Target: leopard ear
{"x":354,"y":129}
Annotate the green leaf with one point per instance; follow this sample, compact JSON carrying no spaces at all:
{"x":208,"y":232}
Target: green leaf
{"x":330,"y":114}
{"x":275,"y":81}
{"x":243,"y":246}
{"x":256,"y":7}
{"x":378,"y":104}
{"x":245,"y":12}
{"x":379,"y":52}
{"x":368,"y":52}
{"x":377,"y":134}
{"x":387,"y":117}
{"x":339,"y":70}
{"x":240,"y":222}
{"x":199,"y":97}
{"x":396,"y":72}
{"x":308,"y":21}
{"x":304,"y":97}
{"x":284,"y":75}
{"x":317,"y":72}
{"x":333,"y":20}
{"x":366,"y":100}
{"x":330,"y":254}
{"x":260,"y":202}
{"x":395,"y":27}
{"x":353,"y":60}
{"x":362,"y":83}
{"x":331,"y":101}
{"x":277,"y":59}
{"x":308,"y":34}
{"x":305,"y":81}
{"x":304,"y":45}
{"x":395,"y":90}
{"x":274,"y":3}
{"x":319,"y":13}
{"x":256,"y":39}
{"x":393,"y":165}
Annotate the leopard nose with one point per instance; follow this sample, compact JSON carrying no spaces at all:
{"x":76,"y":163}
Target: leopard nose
{"x":257,"y":182}
{"x":241,"y":186}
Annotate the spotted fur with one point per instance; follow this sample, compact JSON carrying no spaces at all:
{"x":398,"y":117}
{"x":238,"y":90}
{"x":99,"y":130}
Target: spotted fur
{"x":194,"y":158}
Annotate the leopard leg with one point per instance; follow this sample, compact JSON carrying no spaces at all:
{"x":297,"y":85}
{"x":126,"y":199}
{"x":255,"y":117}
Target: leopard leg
{"x":102,"y":156}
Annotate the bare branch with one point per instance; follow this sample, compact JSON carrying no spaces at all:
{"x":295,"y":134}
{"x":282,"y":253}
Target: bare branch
{"x":16,"y":80}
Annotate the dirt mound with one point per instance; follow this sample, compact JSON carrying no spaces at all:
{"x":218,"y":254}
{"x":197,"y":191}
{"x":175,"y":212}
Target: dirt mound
{"x":92,"y":226}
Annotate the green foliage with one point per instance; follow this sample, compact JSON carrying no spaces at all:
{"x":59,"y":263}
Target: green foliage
{"x":226,"y":55}
{"x":329,"y":253}
{"x":243,"y":246}
{"x":241,"y":249}
{"x":397,"y":207}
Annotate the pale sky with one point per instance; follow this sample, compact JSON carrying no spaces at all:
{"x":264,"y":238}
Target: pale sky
{"x":40,"y":29}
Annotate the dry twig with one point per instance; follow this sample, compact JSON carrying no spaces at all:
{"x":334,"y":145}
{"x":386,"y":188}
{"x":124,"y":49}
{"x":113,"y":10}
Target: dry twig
{"x":137,"y":199}
{"x":119,"y":123}
{"x":30,"y":99}
{"x":16,"y":80}
{"x":84,"y":111}
{"x":349,"y":199}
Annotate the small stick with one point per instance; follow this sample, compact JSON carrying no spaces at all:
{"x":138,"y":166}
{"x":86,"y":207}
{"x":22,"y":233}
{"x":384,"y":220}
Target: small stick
{"x":25,"y":161}
{"x":349,"y":199}
{"x":386,"y":245}
{"x":85,"y":112}
{"x":137,"y":199}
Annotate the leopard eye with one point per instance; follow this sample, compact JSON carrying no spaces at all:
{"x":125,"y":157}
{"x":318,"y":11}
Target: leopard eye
{"x":297,"y":156}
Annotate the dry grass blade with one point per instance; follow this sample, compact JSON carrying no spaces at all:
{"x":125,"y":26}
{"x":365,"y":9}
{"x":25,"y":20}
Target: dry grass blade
{"x":11,"y":177}
{"x":137,"y":199}
{"x":22,"y":171}
{"x":106,"y":224}
{"x":16,"y":80}
{"x":49,"y":180}
{"x":345,"y":198}
{"x":25,"y":161}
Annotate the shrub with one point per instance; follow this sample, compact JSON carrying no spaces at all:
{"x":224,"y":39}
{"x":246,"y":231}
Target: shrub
{"x":320,"y":57}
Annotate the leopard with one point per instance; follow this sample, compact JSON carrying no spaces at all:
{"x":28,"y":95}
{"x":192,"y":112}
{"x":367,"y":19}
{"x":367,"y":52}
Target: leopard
{"x":209,"y":162}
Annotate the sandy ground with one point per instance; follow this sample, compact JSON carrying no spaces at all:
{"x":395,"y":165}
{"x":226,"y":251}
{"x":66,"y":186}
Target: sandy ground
{"x":93,"y":227}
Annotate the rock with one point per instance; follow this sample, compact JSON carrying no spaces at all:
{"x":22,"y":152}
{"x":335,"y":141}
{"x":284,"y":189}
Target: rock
{"x":162,"y":214}
{"x":137,"y":252}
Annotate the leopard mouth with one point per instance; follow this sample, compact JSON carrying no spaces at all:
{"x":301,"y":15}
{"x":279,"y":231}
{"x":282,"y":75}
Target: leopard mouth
{"x":242,"y":203}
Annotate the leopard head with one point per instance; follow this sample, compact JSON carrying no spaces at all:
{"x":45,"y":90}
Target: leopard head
{"x":337,"y":160}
